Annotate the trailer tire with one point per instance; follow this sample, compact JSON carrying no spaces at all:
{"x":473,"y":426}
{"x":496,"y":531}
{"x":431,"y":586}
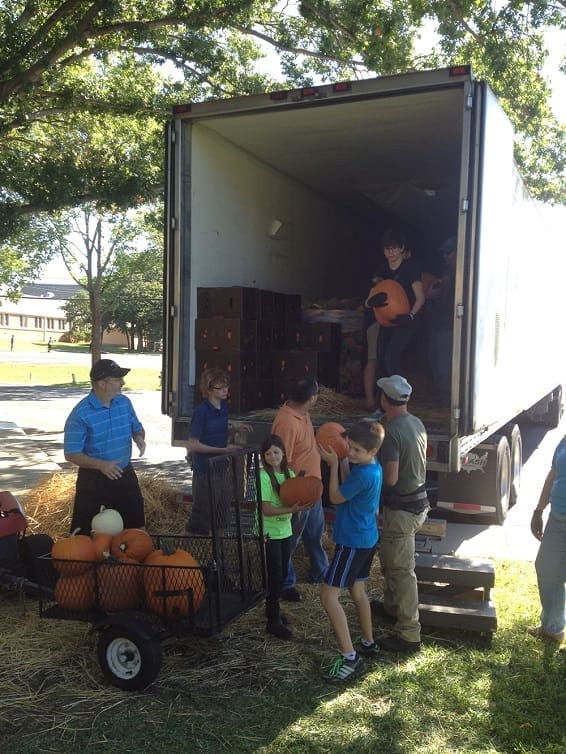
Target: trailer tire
{"x":502,"y":480}
{"x":516,"y":453}
{"x":129,"y":659}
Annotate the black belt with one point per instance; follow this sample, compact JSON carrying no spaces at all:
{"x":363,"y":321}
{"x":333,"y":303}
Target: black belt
{"x":413,"y":502}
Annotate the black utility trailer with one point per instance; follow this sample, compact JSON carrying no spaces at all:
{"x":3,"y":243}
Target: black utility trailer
{"x":172,"y":600}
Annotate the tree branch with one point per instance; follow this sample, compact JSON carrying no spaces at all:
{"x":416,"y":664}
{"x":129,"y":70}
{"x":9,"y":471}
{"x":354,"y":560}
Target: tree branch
{"x":296,"y":50}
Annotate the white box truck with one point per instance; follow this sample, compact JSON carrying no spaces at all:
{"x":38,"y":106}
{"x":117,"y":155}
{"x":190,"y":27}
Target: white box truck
{"x":289,"y":191}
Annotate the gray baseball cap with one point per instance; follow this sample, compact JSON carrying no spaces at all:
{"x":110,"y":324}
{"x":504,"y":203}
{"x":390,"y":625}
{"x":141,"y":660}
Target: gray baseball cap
{"x":395,"y":387}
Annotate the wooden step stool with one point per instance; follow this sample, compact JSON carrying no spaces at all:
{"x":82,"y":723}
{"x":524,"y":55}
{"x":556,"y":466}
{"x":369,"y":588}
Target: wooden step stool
{"x":455,"y":593}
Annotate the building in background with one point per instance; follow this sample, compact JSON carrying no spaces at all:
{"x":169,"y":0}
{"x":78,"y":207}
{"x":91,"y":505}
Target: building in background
{"x":38,"y":315}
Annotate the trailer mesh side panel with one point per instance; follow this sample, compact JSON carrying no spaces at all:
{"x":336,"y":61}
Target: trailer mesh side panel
{"x":228,"y":578}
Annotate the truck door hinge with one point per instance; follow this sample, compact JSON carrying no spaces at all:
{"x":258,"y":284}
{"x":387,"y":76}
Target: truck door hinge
{"x":459,"y":311}
{"x":465,"y":205}
{"x":173,"y":136}
{"x":469,"y":102}
{"x":173,"y":311}
{"x":173,"y":223}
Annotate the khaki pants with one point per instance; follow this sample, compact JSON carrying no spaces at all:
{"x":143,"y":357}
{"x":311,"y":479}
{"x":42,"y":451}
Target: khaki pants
{"x":397,"y":557}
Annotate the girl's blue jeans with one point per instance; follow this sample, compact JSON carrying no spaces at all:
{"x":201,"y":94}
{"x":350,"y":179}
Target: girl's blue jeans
{"x":312,"y":528}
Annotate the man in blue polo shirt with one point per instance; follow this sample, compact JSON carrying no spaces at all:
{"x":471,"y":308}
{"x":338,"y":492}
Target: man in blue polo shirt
{"x":98,"y":439}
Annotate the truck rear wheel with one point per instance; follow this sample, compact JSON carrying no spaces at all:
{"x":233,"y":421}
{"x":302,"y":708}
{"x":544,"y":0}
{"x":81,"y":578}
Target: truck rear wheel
{"x":503,"y":480}
{"x":516,"y":453}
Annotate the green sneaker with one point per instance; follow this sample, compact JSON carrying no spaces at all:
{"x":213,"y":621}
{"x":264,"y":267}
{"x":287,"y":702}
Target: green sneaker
{"x":369,"y":650}
{"x":344,"y":670}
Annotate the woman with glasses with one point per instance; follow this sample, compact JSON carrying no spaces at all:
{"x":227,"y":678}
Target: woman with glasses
{"x":208,"y":437}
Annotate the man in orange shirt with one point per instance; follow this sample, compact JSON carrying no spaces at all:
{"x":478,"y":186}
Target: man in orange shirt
{"x":293,"y":425}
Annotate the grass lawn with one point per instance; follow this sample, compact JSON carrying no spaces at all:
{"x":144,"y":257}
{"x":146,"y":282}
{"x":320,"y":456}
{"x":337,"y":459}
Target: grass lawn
{"x":57,"y":374}
{"x":247,"y":692}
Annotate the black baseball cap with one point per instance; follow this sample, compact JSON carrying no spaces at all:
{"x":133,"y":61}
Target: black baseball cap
{"x":107,"y":368}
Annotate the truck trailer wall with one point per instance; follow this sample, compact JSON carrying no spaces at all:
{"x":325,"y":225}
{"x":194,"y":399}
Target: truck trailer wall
{"x":514,"y":363}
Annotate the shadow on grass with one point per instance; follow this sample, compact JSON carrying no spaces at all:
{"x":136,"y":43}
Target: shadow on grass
{"x":528,"y":697}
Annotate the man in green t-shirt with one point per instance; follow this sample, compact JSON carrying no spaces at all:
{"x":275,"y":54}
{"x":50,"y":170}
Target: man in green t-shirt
{"x":404,"y":506}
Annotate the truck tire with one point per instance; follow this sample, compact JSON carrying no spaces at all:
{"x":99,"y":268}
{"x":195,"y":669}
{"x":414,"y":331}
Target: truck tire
{"x":129,"y":660}
{"x":555,"y":409}
{"x":485,"y":488}
{"x":502,"y":480}
{"x":516,"y":452}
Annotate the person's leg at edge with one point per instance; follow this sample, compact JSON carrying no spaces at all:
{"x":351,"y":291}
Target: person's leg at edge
{"x":398,"y":341}
{"x":370,"y":370}
{"x":397,"y":554}
{"x":274,"y":556}
{"x":312,"y":539}
{"x":298,"y":528}
{"x":329,"y":597}
{"x":363,"y":609}
{"x":550,"y":565}
{"x":199,"y":520}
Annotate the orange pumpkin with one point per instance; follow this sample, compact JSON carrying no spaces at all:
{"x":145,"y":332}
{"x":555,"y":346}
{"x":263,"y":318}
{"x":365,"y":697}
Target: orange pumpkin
{"x":102,"y":544}
{"x":300,"y":489}
{"x":133,"y":543}
{"x":75,"y":592}
{"x":174,"y":584}
{"x":329,"y":435}
{"x":397,"y":301}
{"x":77,"y":547}
{"x":119,"y":585}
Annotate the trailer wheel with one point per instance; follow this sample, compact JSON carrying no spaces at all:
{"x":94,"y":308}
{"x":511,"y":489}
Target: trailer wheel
{"x":555,"y":409}
{"x":128,"y":660}
{"x":502,"y":480}
{"x":516,"y":452}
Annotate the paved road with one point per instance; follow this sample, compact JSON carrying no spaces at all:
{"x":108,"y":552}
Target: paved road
{"x":34,"y":417}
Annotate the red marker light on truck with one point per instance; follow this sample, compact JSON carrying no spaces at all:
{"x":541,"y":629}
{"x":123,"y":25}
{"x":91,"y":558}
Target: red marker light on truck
{"x":459,"y":70}
{"x":278,"y":96}
{"x":309,"y":91}
{"x":342,"y":86}
{"x":181,"y":109}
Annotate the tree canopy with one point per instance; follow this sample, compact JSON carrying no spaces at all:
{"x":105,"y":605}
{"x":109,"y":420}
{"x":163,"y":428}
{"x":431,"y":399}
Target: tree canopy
{"x":86,"y":84}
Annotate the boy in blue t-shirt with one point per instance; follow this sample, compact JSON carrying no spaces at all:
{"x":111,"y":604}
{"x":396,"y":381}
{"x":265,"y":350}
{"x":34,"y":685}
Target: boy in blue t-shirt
{"x":355,"y":535}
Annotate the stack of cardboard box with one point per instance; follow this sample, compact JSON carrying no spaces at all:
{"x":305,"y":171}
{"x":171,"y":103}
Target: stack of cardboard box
{"x":259,"y":338}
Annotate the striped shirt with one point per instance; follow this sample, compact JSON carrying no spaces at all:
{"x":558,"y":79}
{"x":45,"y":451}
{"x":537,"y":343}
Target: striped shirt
{"x":100,"y":431}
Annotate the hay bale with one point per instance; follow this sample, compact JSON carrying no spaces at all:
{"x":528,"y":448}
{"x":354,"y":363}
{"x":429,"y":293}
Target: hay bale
{"x":49,"y":505}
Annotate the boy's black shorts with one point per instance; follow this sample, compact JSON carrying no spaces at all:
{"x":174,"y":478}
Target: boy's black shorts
{"x":350,"y":564}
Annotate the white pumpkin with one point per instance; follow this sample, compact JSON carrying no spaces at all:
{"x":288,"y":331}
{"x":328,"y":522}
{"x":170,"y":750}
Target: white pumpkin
{"x":107,"y":521}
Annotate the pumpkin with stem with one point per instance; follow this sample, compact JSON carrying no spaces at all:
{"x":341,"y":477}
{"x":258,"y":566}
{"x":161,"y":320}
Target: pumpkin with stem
{"x":73,"y":555}
{"x":108,"y":521}
{"x":174,"y":583}
{"x":133,"y":543}
{"x":102,"y":544}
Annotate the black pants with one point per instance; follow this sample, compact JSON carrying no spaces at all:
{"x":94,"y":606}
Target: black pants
{"x":277,"y":554}
{"x":93,"y":489}
{"x":391,"y":344}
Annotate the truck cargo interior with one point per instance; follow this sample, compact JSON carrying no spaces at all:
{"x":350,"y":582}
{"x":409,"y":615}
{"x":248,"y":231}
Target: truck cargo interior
{"x":367,"y":163}
{"x":295,"y":200}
